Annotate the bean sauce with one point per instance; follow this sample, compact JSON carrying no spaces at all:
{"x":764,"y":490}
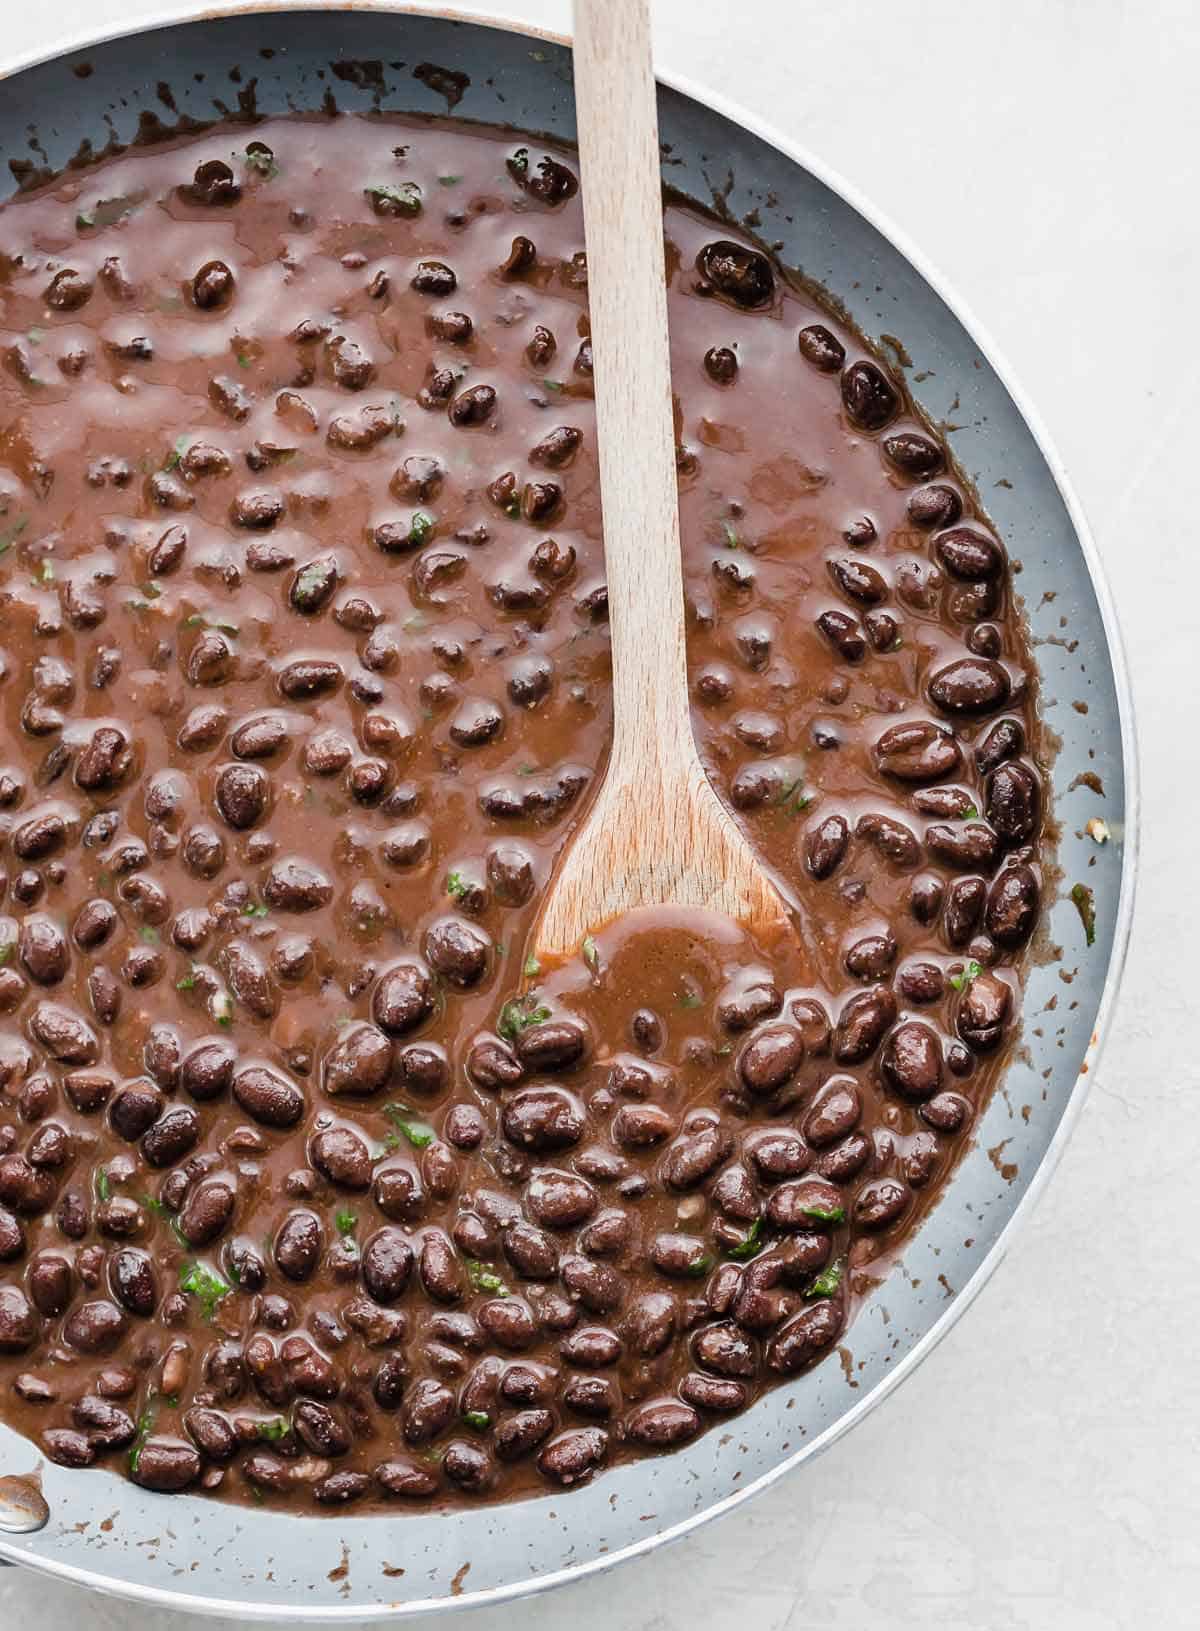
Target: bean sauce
{"x":316,"y":1188}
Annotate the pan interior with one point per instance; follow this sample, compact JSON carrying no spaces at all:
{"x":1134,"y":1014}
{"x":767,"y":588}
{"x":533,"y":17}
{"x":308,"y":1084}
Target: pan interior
{"x":108,"y":1533}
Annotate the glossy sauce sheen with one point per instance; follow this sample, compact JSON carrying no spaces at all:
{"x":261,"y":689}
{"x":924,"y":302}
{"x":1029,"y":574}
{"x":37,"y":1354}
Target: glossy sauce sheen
{"x":312,"y":1188}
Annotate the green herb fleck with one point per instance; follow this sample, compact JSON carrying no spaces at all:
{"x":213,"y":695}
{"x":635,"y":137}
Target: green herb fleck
{"x":750,"y":1244}
{"x":700,"y":1266}
{"x":259,"y":158}
{"x":277,"y":1428}
{"x":6,"y":951}
{"x":310,"y":580}
{"x":591,"y":953}
{"x":103,"y":1187}
{"x":244,"y":359}
{"x":961,"y":980}
{"x":10,"y":536}
{"x":518,"y":1014}
{"x":404,"y":197}
{"x":970,"y":813}
{"x":1085,"y":904}
{"x":107,"y":211}
{"x":346,"y":1223}
{"x":827,"y":1282}
{"x":792,"y":799}
{"x":145,"y":1426}
{"x":690,"y":999}
{"x":148,"y":934}
{"x":205,"y":1285}
{"x":554,"y":384}
{"x":36,"y":336}
{"x":153,"y":1204}
{"x":255,"y":909}
{"x":732,"y":541}
{"x":531,"y":968}
{"x":478,"y":1419}
{"x":419,"y":528}
{"x":483,"y":1279}
{"x":221,"y":1009}
{"x":825,"y":1214}
{"x":418,"y":1133}
{"x":449,"y":181}
{"x":186,"y":982}
{"x":176,"y":453}
{"x":457,"y":886}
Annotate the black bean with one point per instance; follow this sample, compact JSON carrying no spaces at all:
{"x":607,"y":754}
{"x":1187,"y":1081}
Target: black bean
{"x":821,"y":348}
{"x":911,"y":1061}
{"x":969,"y":554}
{"x":543,"y":1119}
{"x":1012,"y":906}
{"x":913,"y":454}
{"x":298,"y":1245}
{"x":825,"y":845}
{"x":916,"y":752}
{"x":269,"y":1097}
{"x":94,"y":1327}
{"x":969,"y":686}
{"x":869,"y":397}
{"x":574,"y":1455}
{"x":740,"y":274}
{"x":1013,"y":801}
{"x":771,"y":1058}
{"x":864,"y":1018}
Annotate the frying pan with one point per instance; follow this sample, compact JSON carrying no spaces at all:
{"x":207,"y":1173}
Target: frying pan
{"x":186,"y":1552}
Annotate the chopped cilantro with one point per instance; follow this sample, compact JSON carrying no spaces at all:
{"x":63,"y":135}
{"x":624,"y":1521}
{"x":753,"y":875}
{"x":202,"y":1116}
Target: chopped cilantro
{"x":418,"y":1133}
{"x":9,"y":537}
{"x":346,"y":1223}
{"x":221,"y":1009}
{"x":792,"y":799}
{"x":401,"y":198}
{"x":553,"y":385}
{"x":518,"y":1014}
{"x":103,"y":1187}
{"x":827,"y":1282}
{"x":700,"y":1266}
{"x":972,"y":971}
{"x":483,"y":1279}
{"x":205,"y":1285}
{"x":176,"y":453}
{"x":591,"y":953}
{"x":825,"y":1214}
{"x":732,"y":541}
{"x":531,"y":968}
{"x":259,"y":158}
{"x":255,"y":909}
{"x":449,"y":181}
{"x":36,"y":336}
{"x":690,"y":999}
{"x":420,"y":527}
{"x":479,"y":1419}
{"x":311,"y":579}
{"x":457,"y":886}
{"x":145,"y":1426}
{"x":276,"y":1428}
{"x":186,"y":982}
{"x":750,"y":1244}
{"x":970,"y":813}
{"x":148,"y":934}
{"x":1084,"y":900}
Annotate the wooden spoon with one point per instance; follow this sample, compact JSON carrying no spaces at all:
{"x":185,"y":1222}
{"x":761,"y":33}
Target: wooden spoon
{"x":656,"y":833}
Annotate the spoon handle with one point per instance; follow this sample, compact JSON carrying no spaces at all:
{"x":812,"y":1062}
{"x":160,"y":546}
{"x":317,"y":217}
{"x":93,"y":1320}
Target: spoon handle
{"x":619,"y":152}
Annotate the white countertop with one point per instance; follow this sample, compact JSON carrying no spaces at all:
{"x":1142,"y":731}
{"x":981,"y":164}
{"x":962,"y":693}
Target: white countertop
{"x":1042,"y":1469}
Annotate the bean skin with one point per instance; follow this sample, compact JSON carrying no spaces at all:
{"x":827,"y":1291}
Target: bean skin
{"x":662,"y":1423}
{"x":573,"y":1456}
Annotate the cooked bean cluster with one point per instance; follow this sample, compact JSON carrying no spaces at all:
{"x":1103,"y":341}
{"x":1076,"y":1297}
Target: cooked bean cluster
{"x":314,"y":1185}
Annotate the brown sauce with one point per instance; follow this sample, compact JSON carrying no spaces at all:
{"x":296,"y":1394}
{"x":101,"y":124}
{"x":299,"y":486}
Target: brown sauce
{"x":313,"y":1188}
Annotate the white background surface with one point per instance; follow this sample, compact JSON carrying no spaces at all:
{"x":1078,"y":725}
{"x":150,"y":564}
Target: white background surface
{"x":1043,"y":1468}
